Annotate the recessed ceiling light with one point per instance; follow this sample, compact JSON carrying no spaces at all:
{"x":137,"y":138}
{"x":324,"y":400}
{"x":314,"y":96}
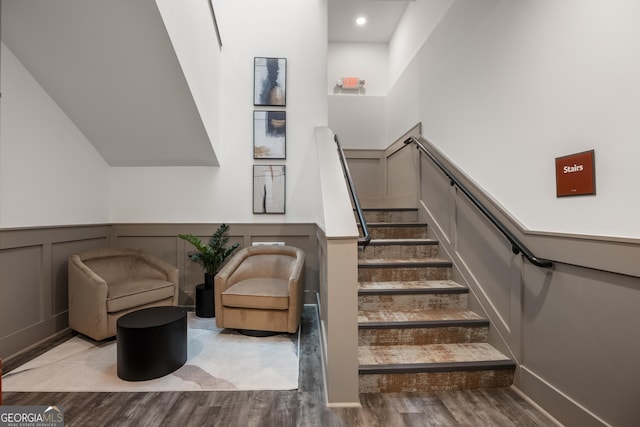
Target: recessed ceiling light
{"x":361,"y":20}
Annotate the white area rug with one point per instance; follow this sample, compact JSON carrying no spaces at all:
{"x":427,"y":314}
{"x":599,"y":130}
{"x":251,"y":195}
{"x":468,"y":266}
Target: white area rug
{"x":217,"y":359}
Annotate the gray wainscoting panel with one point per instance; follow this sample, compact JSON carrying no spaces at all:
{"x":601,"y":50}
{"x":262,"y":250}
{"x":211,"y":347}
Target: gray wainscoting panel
{"x":581,"y":336}
{"x":402,"y":178}
{"x":486,"y":253}
{"x":435,"y":189}
{"x":21,"y":293}
{"x":367,"y":169}
{"x":33,"y":280}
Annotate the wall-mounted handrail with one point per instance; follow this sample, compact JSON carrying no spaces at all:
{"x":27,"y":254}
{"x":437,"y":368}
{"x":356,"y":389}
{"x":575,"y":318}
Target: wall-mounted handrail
{"x":215,"y":24}
{"x":366,"y":237}
{"x":516,"y":245}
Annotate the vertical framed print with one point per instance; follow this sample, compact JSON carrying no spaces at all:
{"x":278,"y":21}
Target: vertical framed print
{"x":270,"y":82}
{"x":269,"y":134}
{"x":269,"y":189}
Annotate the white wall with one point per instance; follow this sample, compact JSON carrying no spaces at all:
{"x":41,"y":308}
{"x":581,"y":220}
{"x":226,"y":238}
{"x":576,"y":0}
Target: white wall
{"x":402,"y":103}
{"x":418,"y":22}
{"x":225,"y":193}
{"x":357,"y":117}
{"x":49,"y":173}
{"x":369,"y":61}
{"x":358,"y":120}
{"x":516,"y":84}
{"x":192,"y":32}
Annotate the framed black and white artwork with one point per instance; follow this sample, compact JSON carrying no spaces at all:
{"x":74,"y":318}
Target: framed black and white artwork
{"x":269,"y":134}
{"x":269,"y":189}
{"x":270,"y":82}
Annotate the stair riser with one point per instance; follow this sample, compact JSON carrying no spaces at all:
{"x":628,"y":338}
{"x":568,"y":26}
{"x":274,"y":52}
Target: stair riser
{"x":399,"y":251}
{"x":386,"y":274}
{"x":398,"y":232}
{"x":422,"y":336}
{"x":391,"y":216}
{"x":412,"y":302}
{"x":435,"y":381}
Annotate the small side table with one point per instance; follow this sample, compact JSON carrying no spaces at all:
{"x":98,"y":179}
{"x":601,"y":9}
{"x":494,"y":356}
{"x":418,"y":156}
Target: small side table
{"x":204,"y":302}
{"x":151,"y":342}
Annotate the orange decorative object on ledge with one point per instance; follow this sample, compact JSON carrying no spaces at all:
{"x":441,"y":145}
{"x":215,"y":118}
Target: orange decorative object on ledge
{"x":351,"y":83}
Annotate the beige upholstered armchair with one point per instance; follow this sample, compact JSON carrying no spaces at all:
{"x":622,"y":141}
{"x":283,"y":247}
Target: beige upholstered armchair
{"x":261,"y":289}
{"x":105,"y":284}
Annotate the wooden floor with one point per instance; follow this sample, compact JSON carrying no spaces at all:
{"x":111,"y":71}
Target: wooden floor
{"x":302,"y":407}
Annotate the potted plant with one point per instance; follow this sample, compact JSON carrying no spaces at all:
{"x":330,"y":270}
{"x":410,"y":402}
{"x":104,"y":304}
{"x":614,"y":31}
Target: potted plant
{"x":212,"y":255}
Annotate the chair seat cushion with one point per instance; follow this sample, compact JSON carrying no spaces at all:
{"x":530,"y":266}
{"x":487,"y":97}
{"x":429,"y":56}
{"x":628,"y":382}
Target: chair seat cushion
{"x":265,"y":293}
{"x":128,"y":293}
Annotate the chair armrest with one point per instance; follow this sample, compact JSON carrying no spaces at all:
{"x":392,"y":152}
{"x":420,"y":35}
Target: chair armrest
{"x":296,"y":278}
{"x":81,"y":274}
{"x":221,"y":282}
{"x":222,"y":277}
{"x":296,"y":291}
{"x":298,"y":265}
{"x":87,"y":299}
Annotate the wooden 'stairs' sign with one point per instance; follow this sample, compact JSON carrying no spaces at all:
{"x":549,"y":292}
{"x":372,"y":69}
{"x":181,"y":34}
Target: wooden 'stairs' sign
{"x":576,"y":174}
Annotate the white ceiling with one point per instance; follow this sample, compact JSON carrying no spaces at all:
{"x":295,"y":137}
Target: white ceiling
{"x":382,"y":19}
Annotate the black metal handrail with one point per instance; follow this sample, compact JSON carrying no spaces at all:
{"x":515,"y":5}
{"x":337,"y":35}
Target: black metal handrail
{"x":366,"y":237}
{"x":516,"y":245}
{"x":215,"y":24}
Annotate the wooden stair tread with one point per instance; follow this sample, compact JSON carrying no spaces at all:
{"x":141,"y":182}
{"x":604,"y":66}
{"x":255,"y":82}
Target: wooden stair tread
{"x":411,"y":287}
{"x":399,"y":355}
{"x":432,"y":315}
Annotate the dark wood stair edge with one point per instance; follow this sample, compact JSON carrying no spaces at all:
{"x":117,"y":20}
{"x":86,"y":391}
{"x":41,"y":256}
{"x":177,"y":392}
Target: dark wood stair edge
{"x":389,"y":209}
{"x":414,"y":324}
{"x":394,"y":224}
{"x":403,"y":264}
{"x":403,"y":242}
{"x":416,"y":368}
{"x":413,"y":291}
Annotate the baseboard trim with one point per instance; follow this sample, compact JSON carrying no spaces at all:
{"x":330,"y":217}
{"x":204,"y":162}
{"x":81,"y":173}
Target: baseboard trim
{"x":534,"y":404}
{"x":545,"y":395}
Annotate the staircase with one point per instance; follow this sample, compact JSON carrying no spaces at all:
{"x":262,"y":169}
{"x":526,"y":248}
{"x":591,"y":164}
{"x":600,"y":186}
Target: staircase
{"x":415,"y":331}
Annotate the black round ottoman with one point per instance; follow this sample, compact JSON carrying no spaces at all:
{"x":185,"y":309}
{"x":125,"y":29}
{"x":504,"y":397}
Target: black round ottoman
{"x":151,"y":342}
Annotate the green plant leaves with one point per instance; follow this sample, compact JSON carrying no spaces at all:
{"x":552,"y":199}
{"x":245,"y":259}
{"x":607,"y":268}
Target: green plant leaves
{"x":211,"y":256}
